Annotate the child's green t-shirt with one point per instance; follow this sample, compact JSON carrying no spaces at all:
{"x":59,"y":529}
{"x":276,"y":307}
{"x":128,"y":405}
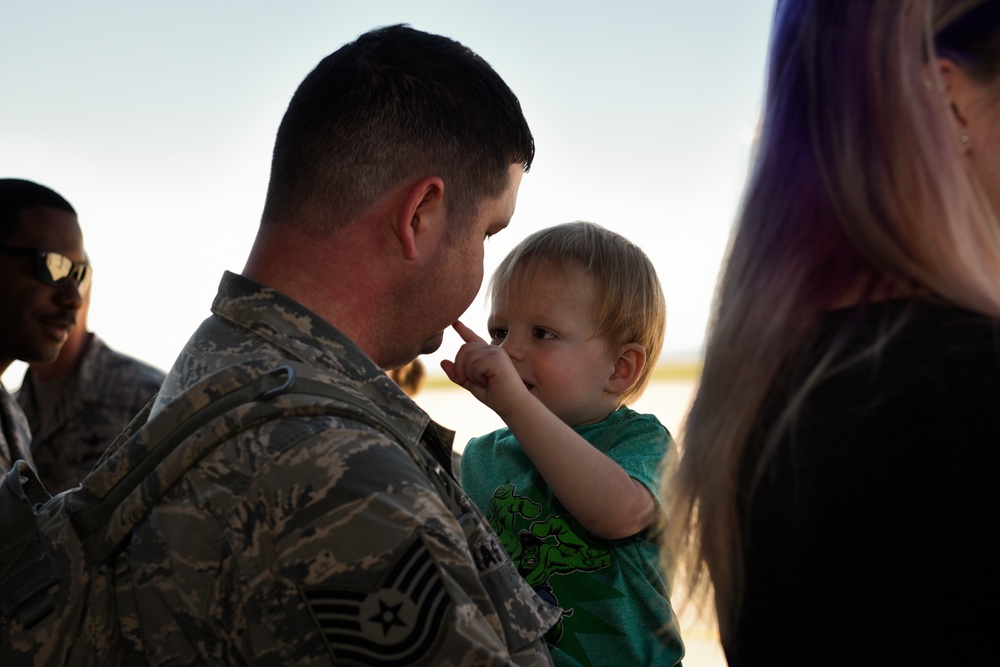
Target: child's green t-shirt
{"x":616,"y":609}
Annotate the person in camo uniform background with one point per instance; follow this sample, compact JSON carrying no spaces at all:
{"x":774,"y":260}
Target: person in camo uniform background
{"x":77,"y":404}
{"x":319,"y":540}
{"x":43,"y":275}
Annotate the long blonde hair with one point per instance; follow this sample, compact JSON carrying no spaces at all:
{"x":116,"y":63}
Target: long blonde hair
{"x":858,"y":190}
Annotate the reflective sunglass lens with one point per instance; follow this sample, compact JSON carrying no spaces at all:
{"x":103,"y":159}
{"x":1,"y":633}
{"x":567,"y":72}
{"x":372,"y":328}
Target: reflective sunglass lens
{"x":83,"y":279}
{"x":59,"y":266}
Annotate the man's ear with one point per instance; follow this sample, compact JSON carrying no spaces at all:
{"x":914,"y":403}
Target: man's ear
{"x":628,"y":366}
{"x":421,"y":210}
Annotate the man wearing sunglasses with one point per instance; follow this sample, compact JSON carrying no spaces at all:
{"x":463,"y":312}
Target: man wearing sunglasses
{"x":79,"y":403}
{"x":43,"y":275}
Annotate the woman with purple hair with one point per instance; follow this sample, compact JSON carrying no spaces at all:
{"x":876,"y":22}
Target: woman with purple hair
{"x":838,"y":493}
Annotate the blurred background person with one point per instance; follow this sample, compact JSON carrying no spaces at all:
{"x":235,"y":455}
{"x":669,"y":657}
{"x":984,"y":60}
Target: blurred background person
{"x":43,"y":275}
{"x":410,"y":377}
{"x":77,"y":404}
{"x":838,"y":482}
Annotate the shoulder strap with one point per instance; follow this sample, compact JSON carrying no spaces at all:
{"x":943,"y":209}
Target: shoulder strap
{"x":174,"y":442}
{"x":153,"y":456}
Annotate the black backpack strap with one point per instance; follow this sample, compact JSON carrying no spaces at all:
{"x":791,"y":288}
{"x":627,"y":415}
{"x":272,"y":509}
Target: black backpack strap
{"x":171,"y":443}
{"x":164,"y":434}
{"x":175,"y":443}
{"x":26,"y":565}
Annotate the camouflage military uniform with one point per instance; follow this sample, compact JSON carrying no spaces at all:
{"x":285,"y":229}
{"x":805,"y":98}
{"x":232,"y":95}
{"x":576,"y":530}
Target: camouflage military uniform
{"x":15,"y":435}
{"x":73,"y":426}
{"x":314,"y":539}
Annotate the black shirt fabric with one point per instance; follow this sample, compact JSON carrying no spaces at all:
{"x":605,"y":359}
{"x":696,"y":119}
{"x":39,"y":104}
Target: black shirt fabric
{"x":873,"y":536}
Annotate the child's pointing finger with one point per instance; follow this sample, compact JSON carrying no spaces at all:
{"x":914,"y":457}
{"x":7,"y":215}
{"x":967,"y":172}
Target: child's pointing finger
{"x":467,"y":334}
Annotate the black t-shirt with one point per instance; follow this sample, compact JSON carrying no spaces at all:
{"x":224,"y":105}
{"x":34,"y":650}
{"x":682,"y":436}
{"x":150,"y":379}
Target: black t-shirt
{"x":874,"y":537}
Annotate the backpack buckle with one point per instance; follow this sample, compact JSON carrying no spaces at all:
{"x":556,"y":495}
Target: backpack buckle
{"x":286,"y":383}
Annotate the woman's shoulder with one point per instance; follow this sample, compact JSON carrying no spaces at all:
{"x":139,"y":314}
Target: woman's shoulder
{"x":912,"y":337}
{"x":918,"y":366}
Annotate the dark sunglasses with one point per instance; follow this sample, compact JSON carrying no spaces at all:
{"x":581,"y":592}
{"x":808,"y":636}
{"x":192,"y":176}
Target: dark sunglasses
{"x":54,"y":268}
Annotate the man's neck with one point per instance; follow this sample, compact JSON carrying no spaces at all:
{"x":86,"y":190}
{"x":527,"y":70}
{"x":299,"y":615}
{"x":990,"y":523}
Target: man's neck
{"x":330,"y":277}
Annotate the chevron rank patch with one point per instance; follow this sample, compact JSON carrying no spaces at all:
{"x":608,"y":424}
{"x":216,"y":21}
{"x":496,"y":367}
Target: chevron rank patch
{"x":398,"y":624}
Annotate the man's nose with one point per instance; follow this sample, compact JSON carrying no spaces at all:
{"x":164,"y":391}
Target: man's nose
{"x":68,"y":294}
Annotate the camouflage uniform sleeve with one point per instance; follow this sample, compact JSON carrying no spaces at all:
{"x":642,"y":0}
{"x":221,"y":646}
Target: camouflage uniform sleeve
{"x":370,"y":556}
{"x":342,"y":552}
{"x":15,"y":436}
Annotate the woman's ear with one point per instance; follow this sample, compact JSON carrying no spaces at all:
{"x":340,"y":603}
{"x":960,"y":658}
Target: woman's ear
{"x":628,"y":366}
{"x":422,"y":207}
{"x":961,"y":91}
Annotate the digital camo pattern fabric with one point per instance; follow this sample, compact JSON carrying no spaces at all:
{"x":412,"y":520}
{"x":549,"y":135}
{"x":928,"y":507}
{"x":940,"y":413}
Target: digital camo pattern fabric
{"x":317,"y":539}
{"x":72,"y":426}
{"x":15,"y":435}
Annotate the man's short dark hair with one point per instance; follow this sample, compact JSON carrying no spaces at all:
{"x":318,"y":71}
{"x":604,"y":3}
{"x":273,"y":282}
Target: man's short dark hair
{"x":17,"y":194}
{"x":394,"y":103}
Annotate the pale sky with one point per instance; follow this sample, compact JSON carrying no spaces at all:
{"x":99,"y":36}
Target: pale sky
{"x":156,"y":121}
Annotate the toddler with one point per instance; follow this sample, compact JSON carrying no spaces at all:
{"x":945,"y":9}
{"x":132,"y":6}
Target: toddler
{"x":570,"y":486}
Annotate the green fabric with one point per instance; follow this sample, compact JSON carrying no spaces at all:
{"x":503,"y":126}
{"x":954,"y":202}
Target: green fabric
{"x":615,"y":605}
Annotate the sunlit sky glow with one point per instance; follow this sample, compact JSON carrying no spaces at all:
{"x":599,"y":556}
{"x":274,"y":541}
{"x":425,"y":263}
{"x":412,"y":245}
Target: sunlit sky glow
{"x":156,"y":121}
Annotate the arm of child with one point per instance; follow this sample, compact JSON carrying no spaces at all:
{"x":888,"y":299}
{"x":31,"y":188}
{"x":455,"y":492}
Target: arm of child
{"x":594,"y":488}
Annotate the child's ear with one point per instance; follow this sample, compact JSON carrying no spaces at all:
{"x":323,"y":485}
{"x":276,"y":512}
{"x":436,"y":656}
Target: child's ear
{"x":631,"y":360}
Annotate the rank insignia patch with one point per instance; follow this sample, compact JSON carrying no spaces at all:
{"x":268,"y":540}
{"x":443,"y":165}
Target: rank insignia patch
{"x":397,"y":624}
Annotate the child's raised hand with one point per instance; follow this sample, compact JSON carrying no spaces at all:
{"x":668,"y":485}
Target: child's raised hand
{"x":486,"y":372}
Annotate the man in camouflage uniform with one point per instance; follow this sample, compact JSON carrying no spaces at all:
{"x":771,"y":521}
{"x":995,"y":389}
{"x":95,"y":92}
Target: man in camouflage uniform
{"x":77,"y":404}
{"x":15,"y":435}
{"x":319,"y":539}
{"x":43,"y":275}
